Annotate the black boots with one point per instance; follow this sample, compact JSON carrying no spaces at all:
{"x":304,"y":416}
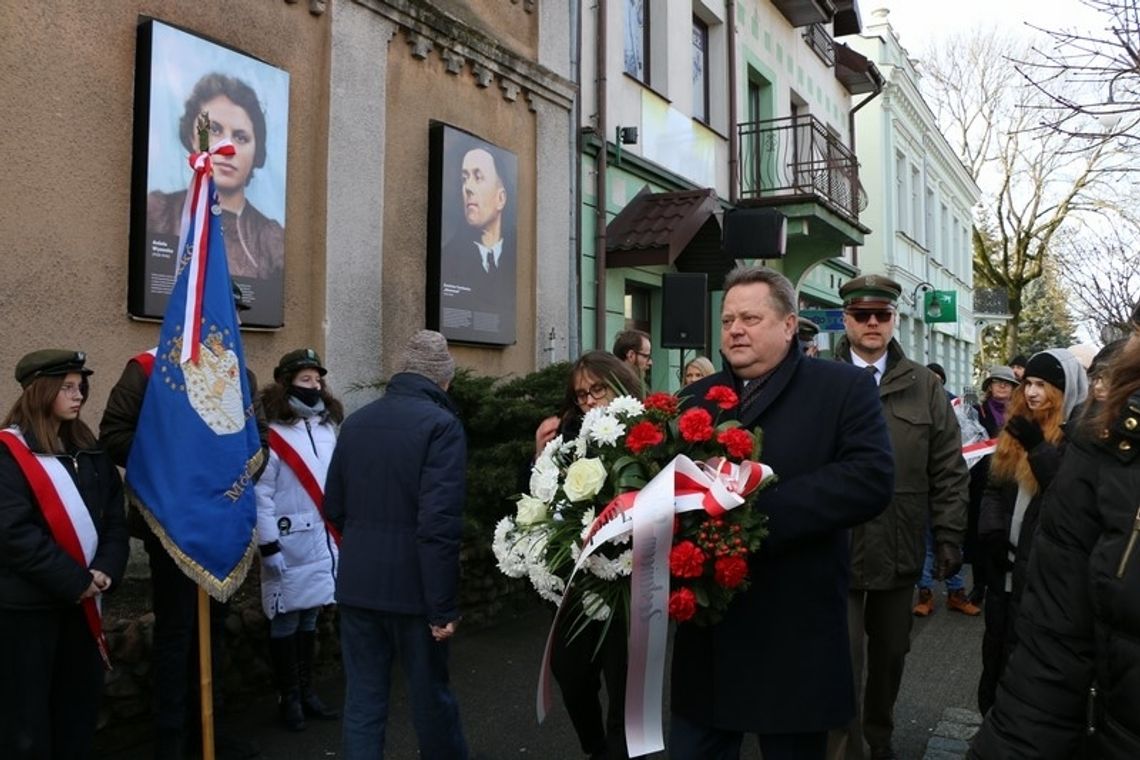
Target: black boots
{"x":310,"y":702}
{"x":284,"y":654}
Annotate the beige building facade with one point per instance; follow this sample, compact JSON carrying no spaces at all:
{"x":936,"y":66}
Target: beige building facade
{"x":367,"y":79}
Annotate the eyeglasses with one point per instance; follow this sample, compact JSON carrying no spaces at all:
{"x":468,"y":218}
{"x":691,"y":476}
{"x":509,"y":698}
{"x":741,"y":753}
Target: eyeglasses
{"x":881,"y":315}
{"x":597,"y":391}
{"x":644,"y":356}
{"x":71,"y":389}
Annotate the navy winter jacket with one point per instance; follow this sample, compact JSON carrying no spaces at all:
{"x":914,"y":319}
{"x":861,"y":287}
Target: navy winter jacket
{"x":395,"y":489}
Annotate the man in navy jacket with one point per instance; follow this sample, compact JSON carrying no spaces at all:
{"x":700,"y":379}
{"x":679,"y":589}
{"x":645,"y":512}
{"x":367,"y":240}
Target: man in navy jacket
{"x":778,"y":664}
{"x":395,"y":490}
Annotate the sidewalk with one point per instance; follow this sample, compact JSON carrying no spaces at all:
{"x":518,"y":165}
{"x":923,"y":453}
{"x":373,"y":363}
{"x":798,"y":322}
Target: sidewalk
{"x":494,"y":672}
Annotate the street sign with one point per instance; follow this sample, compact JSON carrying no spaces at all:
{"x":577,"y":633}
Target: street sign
{"x":828,"y":320}
{"x":940,"y":306}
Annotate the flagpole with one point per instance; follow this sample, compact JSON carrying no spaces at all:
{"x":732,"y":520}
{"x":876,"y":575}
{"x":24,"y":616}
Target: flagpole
{"x":205,"y":661}
{"x":205,"y":670}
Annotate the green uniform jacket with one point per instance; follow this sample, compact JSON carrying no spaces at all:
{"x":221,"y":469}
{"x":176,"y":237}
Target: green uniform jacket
{"x":931,"y":477}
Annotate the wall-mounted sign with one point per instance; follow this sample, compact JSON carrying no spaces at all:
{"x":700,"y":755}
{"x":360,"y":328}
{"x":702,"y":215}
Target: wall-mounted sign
{"x":940,"y":306}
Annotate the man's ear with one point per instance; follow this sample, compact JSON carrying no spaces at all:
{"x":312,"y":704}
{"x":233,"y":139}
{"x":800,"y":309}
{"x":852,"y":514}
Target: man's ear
{"x":501,"y":203}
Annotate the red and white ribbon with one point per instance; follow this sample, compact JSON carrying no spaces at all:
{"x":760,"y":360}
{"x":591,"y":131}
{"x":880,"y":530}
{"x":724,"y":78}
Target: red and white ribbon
{"x":974,"y":452}
{"x":66,"y":515}
{"x":196,"y":207}
{"x":682,"y":485}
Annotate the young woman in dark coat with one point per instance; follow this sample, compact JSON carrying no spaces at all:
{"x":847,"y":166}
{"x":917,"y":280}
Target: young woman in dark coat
{"x":577,"y":659}
{"x":63,"y":543}
{"x":1072,"y":686}
{"x":1027,"y":457}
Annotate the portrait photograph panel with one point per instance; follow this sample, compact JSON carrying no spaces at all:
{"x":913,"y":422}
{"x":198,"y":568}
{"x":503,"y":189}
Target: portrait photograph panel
{"x":178,"y":76}
{"x":472,"y":238}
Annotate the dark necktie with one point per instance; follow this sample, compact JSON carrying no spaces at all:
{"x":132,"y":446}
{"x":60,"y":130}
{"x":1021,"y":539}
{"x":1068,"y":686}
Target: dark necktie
{"x":873,"y":371}
{"x":491,"y":262}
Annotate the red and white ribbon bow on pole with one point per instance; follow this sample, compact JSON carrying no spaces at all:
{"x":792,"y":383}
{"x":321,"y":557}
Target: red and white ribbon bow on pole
{"x":199,"y":199}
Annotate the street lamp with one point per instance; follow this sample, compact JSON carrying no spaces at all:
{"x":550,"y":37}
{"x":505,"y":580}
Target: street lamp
{"x":1110,"y":119}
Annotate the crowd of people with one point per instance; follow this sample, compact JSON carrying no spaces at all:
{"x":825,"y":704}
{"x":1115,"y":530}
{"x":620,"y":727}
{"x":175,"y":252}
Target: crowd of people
{"x":875,"y":502}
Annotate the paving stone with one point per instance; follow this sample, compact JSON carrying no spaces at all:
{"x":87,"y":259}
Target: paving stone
{"x":955,"y":730}
{"x":948,"y":745}
{"x":939,"y":754}
{"x":959,"y":715}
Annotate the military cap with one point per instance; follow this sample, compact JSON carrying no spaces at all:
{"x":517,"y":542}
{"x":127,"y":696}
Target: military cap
{"x":239,"y":297}
{"x":295,"y":361}
{"x":50,"y":362}
{"x":871,"y":289}
{"x":806,"y":330}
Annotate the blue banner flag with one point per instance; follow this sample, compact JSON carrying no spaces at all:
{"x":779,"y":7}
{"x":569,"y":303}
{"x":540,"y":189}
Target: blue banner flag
{"x":196,"y":448}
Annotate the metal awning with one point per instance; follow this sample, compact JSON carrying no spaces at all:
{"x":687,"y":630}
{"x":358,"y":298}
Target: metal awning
{"x":857,"y":73}
{"x":847,"y":18}
{"x":678,"y":229}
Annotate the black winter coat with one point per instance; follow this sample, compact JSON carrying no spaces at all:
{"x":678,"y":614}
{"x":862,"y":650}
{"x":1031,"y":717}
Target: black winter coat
{"x":780,"y":660}
{"x":35,"y":571}
{"x":396,"y":488}
{"x":1080,"y":615}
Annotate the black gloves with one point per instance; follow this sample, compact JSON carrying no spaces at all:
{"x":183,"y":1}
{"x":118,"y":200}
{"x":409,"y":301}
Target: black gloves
{"x":1025,"y":431}
{"x":947,"y":561}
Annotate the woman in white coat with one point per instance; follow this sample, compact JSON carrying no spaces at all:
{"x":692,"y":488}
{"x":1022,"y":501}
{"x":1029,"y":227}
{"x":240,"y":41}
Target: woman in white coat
{"x":298,"y":548}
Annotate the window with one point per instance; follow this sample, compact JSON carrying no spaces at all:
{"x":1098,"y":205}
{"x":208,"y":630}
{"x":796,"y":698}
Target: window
{"x":944,"y":229}
{"x":915,"y":203}
{"x":700,"y":70}
{"x":929,"y":233}
{"x":637,"y":39}
{"x":900,"y":191}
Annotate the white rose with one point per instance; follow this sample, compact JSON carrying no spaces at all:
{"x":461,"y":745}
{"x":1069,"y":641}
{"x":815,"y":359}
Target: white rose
{"x":531,"y":510}
{"x":584,"y":479}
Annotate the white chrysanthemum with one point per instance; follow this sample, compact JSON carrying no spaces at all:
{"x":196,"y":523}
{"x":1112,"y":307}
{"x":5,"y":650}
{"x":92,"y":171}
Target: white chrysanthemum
{"x":589,"y":419}
{"x":588,"y":517}
{"x":607,"y":430}
{"x":602,"y":567}
{"x":548,"y":585}
{"x":626,"y":406}
{"x":624,"y":562}
{"x":506,"y":546}
{"x":550,"y":450}
{"x":580,"y":447}
{"x":544,"y":484}
{"x":595,"y":607}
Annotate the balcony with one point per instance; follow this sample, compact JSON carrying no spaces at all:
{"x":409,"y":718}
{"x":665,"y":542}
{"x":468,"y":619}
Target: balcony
{"x":804,"y":12}
{"x":796,"y":160}
{"x":821,"y":44}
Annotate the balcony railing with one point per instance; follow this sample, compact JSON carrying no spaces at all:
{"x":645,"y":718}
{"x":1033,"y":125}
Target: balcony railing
{"x":797,"y":157}
{"x":820,"y":42}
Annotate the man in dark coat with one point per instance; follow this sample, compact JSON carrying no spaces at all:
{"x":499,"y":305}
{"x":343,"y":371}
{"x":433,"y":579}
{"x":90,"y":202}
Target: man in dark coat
{"x":778,"y":665}
{"x":395,"y":490}
{"x":931,"y":488}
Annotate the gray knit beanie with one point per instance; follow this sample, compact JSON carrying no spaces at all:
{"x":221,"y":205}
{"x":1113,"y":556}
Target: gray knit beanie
{"x":426,"y":354}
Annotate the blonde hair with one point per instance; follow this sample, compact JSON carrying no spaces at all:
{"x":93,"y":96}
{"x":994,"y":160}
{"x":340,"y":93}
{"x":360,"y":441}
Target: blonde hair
{"x":1011,"y":460}
{"x":702,"y":363}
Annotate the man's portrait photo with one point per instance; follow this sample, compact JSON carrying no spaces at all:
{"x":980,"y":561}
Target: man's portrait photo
{"x":247,"y":101}
{"x":471,"y":240}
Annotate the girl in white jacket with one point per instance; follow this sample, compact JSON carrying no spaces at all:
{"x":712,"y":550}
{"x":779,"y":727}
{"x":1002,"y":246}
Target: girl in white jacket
{"x":298,"y":548}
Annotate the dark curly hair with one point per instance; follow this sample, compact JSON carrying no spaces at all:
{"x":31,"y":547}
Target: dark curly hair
{"x":275,"y":402}
{"x":219,"y":85}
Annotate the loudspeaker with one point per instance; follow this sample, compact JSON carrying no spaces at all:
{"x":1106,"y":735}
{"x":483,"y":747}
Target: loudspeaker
{"x":755,"y":233}
{"x":684,"y":309}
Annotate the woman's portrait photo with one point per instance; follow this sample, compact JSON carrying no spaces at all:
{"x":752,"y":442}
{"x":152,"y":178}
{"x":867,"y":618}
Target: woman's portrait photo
{"x":247,"y":102}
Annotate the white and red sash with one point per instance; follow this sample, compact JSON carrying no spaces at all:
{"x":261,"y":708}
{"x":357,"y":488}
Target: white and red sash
{"x":292,"y":446}
{"x":146,"y":360}
{"x":66,"y":514}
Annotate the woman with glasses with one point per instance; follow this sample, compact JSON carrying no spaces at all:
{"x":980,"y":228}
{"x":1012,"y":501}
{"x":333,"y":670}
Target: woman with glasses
{"x":63,"y":543}
{"x":580,"y":661}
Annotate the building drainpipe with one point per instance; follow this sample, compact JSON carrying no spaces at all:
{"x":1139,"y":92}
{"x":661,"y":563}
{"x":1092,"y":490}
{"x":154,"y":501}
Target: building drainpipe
{"x":851,"y":144}
{"x":600,"y":183}
{"x":733,"y":132}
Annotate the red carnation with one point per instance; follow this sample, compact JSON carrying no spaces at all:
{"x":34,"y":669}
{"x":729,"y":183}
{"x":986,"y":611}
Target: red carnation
{"x":696,"y":425}
{"x":682,"y":605}
{"x":730,"y":572}
{"x":666,"y":403}
{"x":724,"y":396}
{"x":686,"y":560}
{"x":737,"y":442}
{"x":642,"y":436}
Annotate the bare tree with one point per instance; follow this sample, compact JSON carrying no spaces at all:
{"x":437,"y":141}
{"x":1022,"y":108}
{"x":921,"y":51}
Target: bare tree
{"x":1033,"y":181}
{"x":1101,"y":269}
{"x":1090,"y":79}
